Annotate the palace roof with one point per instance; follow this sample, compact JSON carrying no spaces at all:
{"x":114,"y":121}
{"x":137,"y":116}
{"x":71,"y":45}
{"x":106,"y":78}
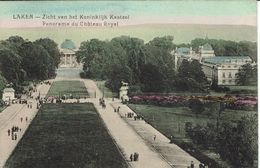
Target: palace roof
{"x":227,"y":59}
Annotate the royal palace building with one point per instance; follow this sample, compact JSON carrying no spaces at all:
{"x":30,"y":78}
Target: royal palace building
{"x":221,"y":69}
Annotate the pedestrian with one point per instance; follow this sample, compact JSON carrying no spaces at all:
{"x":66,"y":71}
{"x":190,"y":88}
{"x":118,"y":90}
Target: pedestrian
{"x":15,"y":136}
{"x":131,"y":157}
{"x":28,"y":105}
{"x":21,"y":119}
{"x":26,"y":119}
{"x":191,"y":164}
{"x":154,"y":137}
{"x":8,"y":132}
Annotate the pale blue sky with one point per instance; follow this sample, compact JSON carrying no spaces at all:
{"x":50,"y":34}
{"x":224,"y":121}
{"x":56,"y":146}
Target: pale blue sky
{"x":134,"y":8}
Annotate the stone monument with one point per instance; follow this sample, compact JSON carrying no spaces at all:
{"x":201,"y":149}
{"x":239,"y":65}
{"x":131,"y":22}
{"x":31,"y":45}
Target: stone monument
{"x":123,"y":92}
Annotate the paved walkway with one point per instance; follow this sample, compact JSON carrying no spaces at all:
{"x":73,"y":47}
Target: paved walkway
{"x":175,"y":156}
{"x":131,"y":136}
{"x":137,"y":136}
{"x":15,"y":115}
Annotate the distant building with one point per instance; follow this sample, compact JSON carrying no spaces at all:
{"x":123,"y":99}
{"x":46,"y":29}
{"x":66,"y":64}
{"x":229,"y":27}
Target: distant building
{"x":222,"y":69}
{"x":206,"y":51}
{"x":68,"y":50}
{"x":8,"y":94}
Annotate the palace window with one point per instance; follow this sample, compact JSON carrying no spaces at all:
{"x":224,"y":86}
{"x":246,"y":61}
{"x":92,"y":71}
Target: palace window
{"x":223,"y":81}
{"x":229,"y":75}
{"x":223,"y":75}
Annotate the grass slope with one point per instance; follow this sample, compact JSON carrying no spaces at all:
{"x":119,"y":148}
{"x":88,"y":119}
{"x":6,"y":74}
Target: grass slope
{"x":76,"y":88}
{"x":171,"y":120}
{"x":66,"y":136}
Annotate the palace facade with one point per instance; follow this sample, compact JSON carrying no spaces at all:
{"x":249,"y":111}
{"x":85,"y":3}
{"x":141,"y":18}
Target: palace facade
{"x":222,"y":69}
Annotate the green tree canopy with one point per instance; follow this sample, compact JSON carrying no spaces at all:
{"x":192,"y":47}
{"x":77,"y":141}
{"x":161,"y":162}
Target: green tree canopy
{"x":247,"y":75}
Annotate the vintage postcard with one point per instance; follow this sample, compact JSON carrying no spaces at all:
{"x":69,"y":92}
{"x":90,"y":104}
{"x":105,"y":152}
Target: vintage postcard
{"x":138,"y":84}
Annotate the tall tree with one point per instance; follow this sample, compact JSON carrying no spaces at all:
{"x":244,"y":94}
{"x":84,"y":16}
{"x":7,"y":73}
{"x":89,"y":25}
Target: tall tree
{"x":247,"y":75}
{"x":51,"y":47}
{"x":3,"y":83}
{"x":10,"y":65}
{"x":36,"y":61}
{"x":151,"y":78}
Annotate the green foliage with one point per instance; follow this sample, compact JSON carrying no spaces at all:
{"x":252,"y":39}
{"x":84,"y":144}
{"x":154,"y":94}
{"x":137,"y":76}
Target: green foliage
{"x":3,"y":83}
{"x":190,"y":77}
{"x":151,"y":78}
{"x":122,"y":59}
{"x":196,"y":106}
{"x":238,"y":143}
{"x":22,"y":60}
{"x":235,"y":142}
{"x":105,"y":59}
{"x":52,"y":48}
{"x":247,"y":75}
{"x":36,"y":61}
{"x":228,"y":48}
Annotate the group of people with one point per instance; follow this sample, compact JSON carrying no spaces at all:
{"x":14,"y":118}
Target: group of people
{"x":129,"y":115}
{"x":29,"y":105}
{"x":13,"y":132}
{"x":15,"y":129}
{"x":134,"y":157}
{"x":138,"y":117}
{"x":117,"y":109}
{"x":102,"y":103}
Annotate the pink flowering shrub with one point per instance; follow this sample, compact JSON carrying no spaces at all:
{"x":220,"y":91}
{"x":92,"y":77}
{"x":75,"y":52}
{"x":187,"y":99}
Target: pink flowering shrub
{"x":232,"y":102}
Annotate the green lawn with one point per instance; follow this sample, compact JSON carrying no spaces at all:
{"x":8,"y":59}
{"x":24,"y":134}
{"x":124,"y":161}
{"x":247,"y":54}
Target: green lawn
{"x":76,"y":88}
{"x":66,"y":136}
{"x":171,"y":120}
{"x":107,"y":92}
{"x":252,"y":88}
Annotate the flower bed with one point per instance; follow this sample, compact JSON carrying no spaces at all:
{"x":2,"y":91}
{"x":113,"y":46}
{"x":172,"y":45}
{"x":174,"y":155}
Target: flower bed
{"x":231,"y":102}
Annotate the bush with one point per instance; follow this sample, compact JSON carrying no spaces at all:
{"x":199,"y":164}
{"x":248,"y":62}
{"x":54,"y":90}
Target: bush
{"x":134,"y":90}
{"x":2,"y":103}
{"x":196,"y":106}
{"x":82,"y":74}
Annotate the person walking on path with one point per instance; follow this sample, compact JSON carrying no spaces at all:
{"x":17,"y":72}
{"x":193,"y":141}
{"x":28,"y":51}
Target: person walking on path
{"x":131,"y":157}
{"x":8,"y":132}
{"x":21,"y":119}
{"x":191,"y":164}
{"x":154,"y":137}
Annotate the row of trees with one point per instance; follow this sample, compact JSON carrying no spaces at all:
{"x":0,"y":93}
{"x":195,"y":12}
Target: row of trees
{"x":22,"y":60}
{"x":149,"y":66}
{"x":226,"y":47}
{"x":125,"y":58}
{"x":234,"y":142}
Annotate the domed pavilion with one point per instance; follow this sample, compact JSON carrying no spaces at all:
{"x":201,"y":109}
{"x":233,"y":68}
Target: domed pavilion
{"x":68,"y":57}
